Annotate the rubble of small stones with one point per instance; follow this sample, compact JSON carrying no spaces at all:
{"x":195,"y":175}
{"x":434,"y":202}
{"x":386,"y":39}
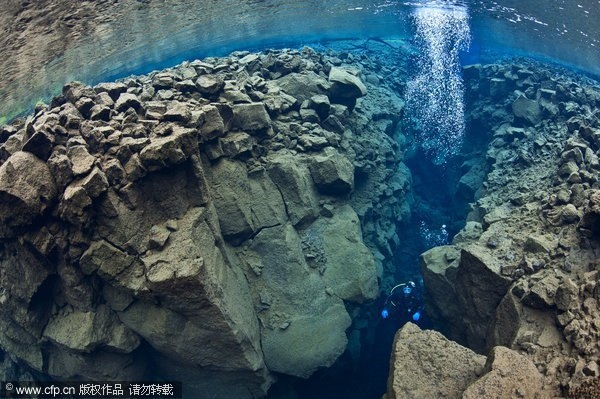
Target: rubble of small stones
{"x":209,"y":223}
{"x":524,"y":271}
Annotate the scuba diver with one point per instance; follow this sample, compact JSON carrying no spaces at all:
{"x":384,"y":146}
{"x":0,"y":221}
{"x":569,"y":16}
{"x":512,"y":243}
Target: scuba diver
{"x":404,"y":303}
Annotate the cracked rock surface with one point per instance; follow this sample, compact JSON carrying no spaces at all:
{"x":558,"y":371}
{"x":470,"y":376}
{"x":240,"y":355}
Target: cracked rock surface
{"x":205,"y":223}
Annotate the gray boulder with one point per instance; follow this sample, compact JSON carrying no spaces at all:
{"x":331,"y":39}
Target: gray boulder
{"x":527,"y":112}
{"x":75,"y":204}
{"x":105,"y":259}
{"x":251,"y":117}
{"x":211,"y":123}
{"x":81,"y":160}
{"x":345,"y":87}
{"x":236,"y":143}
{"x":320,"y":103}
{"x":210,"y":85}
{"x":170,"y":150}
{"x":245,"y":203}
{"x":99,"y":365}
{"x":27,"y":189}
{"x":40,"y":144}
{"x":480,"y":286}
{"x":293,"y":181}
{"x":303,"y":327}
{"x":86,"y":331}
{"x":126,"y":101}
{"x":302,"y":86}
{"x":439,"y":266}
{"x":350,"y":269}
{"x":508,"y":374}
{"x":464,"y":290}
{"x":177,"y":112}
{"x":193,"y":283}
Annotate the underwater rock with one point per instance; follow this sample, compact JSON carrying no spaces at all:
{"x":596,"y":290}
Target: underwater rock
{"x":170,"y":150}
{"x":86,"y":331}
{"x":245,"y":203}
{"x":349,"y":270}
{"x":303,"y":86}
{"x":304,"y":326}
{"x":186,"y":221}
{"x":251,"y":117}
{"x":535,"y":250}
{"x":332,"y":173}
{"x":294,"y":182}
{"x":506,"y":374}
{"x":27,"y":189}
{"x":439,"y":267}
{"x":427,"y":365}
{"x":345,"y":87}
{"x":526,"y":111}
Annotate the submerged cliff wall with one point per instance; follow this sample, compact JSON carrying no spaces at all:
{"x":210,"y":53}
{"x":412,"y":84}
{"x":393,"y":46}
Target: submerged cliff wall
{"x":206,"y":223}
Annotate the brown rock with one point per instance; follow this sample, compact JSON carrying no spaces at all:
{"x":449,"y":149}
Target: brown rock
{"x":426,"y":365}
{"x":81,"y":160}
{"x":508,"y":375}
{"x":27,"y":189}
{"x":332,"y":172}
{"x":170,"y":150}
{"x":126,"y":101}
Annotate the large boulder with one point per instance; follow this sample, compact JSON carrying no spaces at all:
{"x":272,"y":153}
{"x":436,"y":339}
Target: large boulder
{"x":126,"y":101}
{"x":303,"y":327}
{"x":526,"y":112}
{"x":427,"y":365}
{"x":345,"y":87}
{"x":251,"y":117}
{"x":480,"y":286}
{"x":293,"y":181}
{"x":211,"y":123}
{"x":302,"y":86}
{"x":439,"y":266}
{"x":349,"y":269}
{"x":245,"y":203}
{"x":332,"y":172}
{"x":27,"y":189}
{"x":170,"y":150}
{"x":193,"y":284}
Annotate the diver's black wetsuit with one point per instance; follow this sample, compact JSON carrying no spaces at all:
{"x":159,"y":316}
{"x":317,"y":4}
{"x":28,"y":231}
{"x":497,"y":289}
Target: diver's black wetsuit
{"x":405,"y":303}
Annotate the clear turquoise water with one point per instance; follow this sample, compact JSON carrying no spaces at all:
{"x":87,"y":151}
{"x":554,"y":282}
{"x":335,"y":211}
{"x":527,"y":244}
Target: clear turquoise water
{"x":561,"y":31}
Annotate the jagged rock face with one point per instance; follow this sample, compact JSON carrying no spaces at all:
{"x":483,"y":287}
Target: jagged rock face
{"x":523,"y":273}
{"x":201,"y":223}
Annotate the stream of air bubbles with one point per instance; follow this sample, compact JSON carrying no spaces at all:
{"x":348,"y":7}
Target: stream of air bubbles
{"x":435,"y":94}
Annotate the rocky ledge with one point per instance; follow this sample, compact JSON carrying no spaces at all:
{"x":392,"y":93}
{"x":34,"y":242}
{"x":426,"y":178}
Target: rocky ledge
{"x":203,"y":223}
{"x":521,"y":281}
